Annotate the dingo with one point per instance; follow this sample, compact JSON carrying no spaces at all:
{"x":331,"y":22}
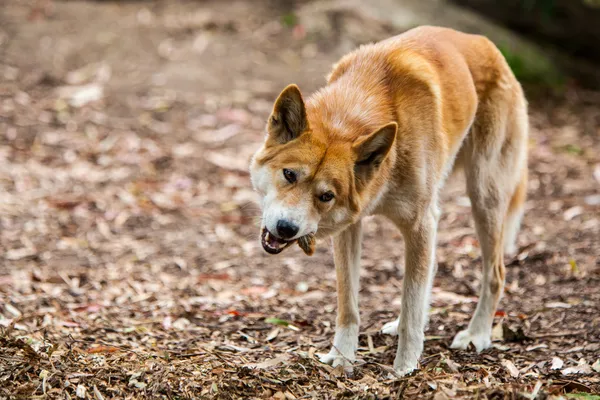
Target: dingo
{"x":380,"y":138}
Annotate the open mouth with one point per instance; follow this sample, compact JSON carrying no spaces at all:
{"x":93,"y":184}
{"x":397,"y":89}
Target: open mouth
{"x":273,"y":244}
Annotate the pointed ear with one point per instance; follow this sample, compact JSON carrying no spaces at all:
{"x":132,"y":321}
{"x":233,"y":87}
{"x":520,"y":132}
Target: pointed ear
{"x":288,"y":119}
{"x":371,"y":150}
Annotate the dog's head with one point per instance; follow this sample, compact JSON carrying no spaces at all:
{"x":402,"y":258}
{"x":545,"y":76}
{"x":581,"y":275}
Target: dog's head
{"x":311,"y":181}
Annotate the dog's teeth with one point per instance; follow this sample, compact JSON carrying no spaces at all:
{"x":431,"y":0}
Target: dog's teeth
{"x":267,"y":237}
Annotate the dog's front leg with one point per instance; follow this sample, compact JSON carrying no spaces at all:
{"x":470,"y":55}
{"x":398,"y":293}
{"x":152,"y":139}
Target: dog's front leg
{"x":346,"y":252}
{"x":418,"y":277}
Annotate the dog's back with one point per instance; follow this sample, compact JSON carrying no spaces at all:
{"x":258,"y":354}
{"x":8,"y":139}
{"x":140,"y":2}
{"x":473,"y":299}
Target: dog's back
{"x":432,"y":67}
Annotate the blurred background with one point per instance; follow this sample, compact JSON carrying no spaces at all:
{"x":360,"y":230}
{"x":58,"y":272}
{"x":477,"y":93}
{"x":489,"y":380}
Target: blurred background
{"x":130,"y":262}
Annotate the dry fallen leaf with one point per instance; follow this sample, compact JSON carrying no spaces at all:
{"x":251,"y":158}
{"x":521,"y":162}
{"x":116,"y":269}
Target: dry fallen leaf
{"x":269,"y":363}
{"x":445,"y":297}
{"x":454,"y":367}
{"x":79,"y":96}
{"x":97,"y":394}
{"x":597,"y":172}
{"x":582,"y":367}
{"x":102,"y":349}
{"x":440,"y":395}
{"x":557,"y":304}
{"x":536,"y":389}
{"x":596,"y":365}
{"x":536,"y":347}
{"x":272,"y":334}
{"x":18,"y":254}
{"x":572,"y":213}
{"x":557,"y":363}
{"x":80,"y":392}
{"x":510,"y":367}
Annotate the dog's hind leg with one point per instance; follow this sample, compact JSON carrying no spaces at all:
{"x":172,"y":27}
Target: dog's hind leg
{"x":495,"y":158}
{"x":346,"y":253}
{"x":516,"y":209}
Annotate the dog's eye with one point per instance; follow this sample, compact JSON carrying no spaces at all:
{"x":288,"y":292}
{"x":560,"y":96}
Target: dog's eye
{"x":289,"y":175}
{"x":326,"y":197}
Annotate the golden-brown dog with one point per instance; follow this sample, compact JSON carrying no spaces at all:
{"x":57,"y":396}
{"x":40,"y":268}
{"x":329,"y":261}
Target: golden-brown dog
{"x":380,"y":138}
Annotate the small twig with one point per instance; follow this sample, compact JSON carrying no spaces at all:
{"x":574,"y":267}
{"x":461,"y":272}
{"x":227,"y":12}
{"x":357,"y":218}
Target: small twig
{"x":401,"y":390}
{"x":557,"y":334}
{"x":186,"y":355}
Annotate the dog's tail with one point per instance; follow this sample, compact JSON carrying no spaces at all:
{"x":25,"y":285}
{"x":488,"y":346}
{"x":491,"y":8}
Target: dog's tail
{"x":516,"y":208}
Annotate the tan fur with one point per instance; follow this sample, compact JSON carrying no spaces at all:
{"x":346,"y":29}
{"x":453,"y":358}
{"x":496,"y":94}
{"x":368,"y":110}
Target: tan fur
{"x":382,"y":136}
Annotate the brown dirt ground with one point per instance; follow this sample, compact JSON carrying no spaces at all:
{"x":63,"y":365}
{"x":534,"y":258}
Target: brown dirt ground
{"x":130,"y":266}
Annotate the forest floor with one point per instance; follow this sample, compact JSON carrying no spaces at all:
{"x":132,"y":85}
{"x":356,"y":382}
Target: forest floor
{"x":130,"y":265}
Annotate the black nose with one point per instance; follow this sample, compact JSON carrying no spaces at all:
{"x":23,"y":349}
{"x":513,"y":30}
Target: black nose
{"x":285,"y":229}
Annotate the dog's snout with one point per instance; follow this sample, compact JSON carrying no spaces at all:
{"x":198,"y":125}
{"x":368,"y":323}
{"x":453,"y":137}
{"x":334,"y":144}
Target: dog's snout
{"x":286,"y":230}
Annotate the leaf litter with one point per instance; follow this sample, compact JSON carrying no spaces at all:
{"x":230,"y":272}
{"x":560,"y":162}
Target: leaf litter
{"x":131,"y":266}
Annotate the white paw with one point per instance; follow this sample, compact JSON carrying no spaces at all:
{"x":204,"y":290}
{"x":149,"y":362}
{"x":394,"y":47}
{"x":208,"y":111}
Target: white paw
{"x":481,"y":341}
{"x":391,"y":328}
{"x":511,"y":250}
{"x":334,"y":358}
{"x":344,"y":347}
{"x":403,"y":372}
{"x":404,"y":367}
